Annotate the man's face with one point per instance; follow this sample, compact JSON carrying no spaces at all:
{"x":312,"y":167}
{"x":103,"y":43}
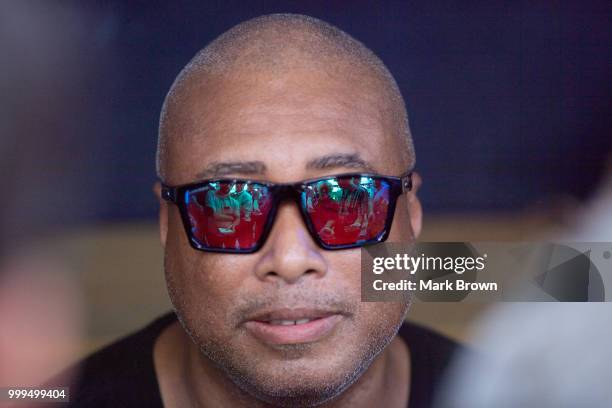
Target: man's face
{"x":227,"y":302}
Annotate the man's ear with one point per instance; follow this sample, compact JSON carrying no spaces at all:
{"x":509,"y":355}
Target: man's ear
{"x":163,"y":214}
{"x":414,"y":205}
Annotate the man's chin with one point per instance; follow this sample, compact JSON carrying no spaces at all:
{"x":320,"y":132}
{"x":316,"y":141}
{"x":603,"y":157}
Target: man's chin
{"x":299,"y":381}
{"x":296,"y":389}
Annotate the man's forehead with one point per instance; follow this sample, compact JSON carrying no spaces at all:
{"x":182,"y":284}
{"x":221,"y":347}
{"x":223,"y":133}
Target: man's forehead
{"x":253,"y":93}
{"x":259,"y":168}
{"x":245,"y":120}
{"x":251,"y":99}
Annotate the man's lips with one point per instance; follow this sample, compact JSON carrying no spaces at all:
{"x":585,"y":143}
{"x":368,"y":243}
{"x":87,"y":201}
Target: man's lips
{"x":293,"y":326}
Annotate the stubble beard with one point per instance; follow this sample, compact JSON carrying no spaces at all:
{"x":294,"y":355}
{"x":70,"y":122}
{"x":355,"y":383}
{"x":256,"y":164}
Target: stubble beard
{"x":290,"y":391}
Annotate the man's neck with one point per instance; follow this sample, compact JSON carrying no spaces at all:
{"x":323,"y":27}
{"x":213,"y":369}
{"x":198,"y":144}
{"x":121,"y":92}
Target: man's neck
{"x":187,"y":378}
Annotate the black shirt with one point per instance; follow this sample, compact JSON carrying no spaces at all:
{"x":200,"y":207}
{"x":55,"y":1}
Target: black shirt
{"x":123,"y":375}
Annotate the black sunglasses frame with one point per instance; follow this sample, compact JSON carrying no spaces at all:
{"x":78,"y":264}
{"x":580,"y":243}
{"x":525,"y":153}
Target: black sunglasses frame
{"x":287,"y":191}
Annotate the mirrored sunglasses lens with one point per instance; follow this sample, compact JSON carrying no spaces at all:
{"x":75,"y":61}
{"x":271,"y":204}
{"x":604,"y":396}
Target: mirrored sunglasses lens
{"x":348,"y":210}
{"x":228,"y":215}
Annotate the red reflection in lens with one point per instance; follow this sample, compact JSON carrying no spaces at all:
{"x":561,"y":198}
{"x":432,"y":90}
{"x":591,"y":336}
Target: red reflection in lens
{"x":348,"y":210}
{"x":227,"y":215}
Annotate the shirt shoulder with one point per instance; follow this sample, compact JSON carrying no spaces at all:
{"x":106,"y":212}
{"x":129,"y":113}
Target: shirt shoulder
{"x":430,"y":357}
{"x":121,"y":374}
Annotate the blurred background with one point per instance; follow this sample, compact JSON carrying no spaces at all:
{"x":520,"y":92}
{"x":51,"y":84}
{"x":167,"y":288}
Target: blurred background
{"x":509,"y":105}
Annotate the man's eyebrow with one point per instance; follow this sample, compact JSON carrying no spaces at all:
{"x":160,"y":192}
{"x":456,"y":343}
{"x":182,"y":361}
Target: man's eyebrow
{"x":353,"y":161}
{"x":219,"y":169}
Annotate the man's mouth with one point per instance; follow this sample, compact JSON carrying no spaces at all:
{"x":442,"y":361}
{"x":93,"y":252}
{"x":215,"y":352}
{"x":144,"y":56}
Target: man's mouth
{"x":288,"y":322}
{"x":293,"y":326}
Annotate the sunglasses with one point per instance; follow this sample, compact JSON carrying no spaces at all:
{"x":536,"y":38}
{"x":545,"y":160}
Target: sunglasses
{"x":236,"y":215}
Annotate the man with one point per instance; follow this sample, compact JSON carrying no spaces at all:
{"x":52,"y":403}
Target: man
{"x":276,"y":319}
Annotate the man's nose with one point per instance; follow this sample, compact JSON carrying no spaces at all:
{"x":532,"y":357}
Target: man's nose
{"x":290,"y":253}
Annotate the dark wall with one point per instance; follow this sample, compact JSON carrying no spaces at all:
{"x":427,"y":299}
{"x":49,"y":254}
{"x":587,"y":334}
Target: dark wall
{"x":509,"y":103}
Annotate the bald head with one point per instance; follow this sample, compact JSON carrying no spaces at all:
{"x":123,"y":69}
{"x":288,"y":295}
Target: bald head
{"x":274,"y":46}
